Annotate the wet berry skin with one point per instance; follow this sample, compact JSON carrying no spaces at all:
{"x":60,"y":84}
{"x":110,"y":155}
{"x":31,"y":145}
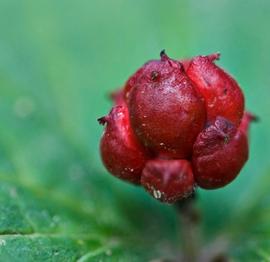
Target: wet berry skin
{"x":176,"y":125}
{"x":120,"y":151}
{"x":222,"y":94}
{"x":166,"y":111}
{"x":219,"y":153}
{"x":168,"y":180}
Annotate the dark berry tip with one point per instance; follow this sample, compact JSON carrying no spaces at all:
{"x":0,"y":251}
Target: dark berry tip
{"x":253,"y":118}
{"x":162,"y":52}
{"x":102,"y":120}
{"x":213,"y":57}
{"x":163,"y":55}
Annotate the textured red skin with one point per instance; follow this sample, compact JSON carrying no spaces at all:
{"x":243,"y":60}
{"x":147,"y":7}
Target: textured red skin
{"x":220,"y":152}
{"x":168,"y":180}
{"x":186,"y":62}
{"x":131,"y":82}
{"x":121,"y":153}
{"x":222,"y":94}
{"x":166,"y":111}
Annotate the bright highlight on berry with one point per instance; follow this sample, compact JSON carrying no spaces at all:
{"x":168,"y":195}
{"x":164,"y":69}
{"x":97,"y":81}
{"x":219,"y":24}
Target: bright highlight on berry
{"x":176,"y":125}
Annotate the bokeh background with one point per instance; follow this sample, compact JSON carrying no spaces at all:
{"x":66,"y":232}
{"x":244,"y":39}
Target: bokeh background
{"x":58,"y":62}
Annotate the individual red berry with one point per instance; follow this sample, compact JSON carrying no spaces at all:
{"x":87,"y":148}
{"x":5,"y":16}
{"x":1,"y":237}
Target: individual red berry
{"x":166,"y":111}
{"x":121,"y":153}
{"x":220,"y":152}
{"x":222,"y":94}
{"x":168,"y":180}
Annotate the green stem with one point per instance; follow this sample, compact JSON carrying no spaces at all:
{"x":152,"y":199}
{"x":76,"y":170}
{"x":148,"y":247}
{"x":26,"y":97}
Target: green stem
{"x":190,"y":228}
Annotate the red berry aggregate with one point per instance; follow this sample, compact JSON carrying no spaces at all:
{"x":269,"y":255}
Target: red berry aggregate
{"x":176,"y":125}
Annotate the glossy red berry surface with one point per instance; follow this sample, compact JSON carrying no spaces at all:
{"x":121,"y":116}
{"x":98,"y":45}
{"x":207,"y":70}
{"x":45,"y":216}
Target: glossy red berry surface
{"x":168,"y":180}
{"x":219,"y":153}
{"x":222,"y":94}
{"x":121,"y":153}
{"x":176,"y":125}
{"x":166,"y":111}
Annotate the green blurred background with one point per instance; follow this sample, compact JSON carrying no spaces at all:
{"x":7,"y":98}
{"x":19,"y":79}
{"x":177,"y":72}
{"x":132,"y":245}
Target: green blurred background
{"x":58,"y":62}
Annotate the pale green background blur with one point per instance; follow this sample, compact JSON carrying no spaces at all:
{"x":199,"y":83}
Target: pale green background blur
{"x":60,"y":59}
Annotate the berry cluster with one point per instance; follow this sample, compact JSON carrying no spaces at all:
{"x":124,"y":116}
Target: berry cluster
{"x":176,"y":125}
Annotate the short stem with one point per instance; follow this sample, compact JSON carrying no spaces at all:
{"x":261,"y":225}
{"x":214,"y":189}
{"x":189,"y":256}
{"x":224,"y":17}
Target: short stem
{"x":190,"y":228}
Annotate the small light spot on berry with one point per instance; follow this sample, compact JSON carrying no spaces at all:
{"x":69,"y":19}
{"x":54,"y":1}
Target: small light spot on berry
{"x":120,"y":114}
{"x":157,"y":194}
